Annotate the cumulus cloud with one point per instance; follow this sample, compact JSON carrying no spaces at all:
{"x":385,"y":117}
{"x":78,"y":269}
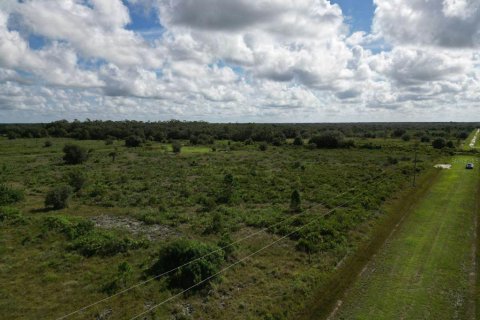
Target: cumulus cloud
{"x":236,"y":60}
{"x":443,"y":23}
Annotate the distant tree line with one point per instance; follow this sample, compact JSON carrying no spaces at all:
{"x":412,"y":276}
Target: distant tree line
{"x":206,"y":133}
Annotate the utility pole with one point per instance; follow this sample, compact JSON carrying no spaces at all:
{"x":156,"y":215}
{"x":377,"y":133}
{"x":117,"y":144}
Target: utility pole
{"x":415,"y":166}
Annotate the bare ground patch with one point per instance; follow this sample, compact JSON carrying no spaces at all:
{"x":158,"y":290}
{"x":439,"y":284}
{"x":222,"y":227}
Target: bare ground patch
{"x":134,"y":226}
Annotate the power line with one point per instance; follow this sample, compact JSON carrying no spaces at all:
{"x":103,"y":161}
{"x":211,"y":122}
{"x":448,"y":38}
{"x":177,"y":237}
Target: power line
{"x":241,"y":260}
{"x":207,"y":255}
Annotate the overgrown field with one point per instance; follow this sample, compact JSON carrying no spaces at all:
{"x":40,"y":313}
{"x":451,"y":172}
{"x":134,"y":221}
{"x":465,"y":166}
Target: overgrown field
{"x":136,"y":212}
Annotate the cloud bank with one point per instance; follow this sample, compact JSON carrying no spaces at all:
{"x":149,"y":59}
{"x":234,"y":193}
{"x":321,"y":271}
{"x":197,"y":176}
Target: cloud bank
{"x":237,"y":60}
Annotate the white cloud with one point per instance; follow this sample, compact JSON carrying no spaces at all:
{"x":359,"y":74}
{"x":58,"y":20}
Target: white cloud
{"x":290,"y":60}
{"x":443,"y":23}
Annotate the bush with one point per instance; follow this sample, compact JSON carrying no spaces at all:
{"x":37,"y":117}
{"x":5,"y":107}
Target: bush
{"x":295,"y":201}
{"x":425,"y":139}
{"x":406,"y":137}
{"x":76,"y":179}
{"x":176,"y":147}
{"x":58,"y":197}
{"x":103,"y":243}
{"x":439,"y":143}
{"x":450,"y":144}
{"x":74,"y":154}
{"x":182,"y":251}
{"x":263,"y":146}
{"x":9,"y":195}
{"x":9,"y":215}
{"x":71,"y":227}
{"x":298,"y":141}
{"x":133,"y":141}
{"x":328,"y":140}
{"x":47,"y":144}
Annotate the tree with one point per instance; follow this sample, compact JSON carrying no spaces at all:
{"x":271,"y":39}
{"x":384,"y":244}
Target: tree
{"x":176,"y":147}
{"x":113,"y":155}
{"x":298,"y":141}
{"x":57,"y":198}
{"x":74,"y":154}
{"x":182,"y":251}
{"x":9,"y":195}
{"x":328,"y":140}
{"x":450,"y":144}
{"x":133,"y":142}
{"x":76,"y":179}
{"x":295,"y":201}
{"x":439,"y":143}
{"x":406,"y":137}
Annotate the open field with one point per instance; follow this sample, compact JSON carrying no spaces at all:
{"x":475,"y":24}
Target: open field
{"x":425,"y":270}
{"x":135,"y":204}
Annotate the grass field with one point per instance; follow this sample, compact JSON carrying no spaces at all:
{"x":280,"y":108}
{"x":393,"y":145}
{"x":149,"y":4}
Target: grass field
{"x":133,"y":206}
{"x":425,"y":270}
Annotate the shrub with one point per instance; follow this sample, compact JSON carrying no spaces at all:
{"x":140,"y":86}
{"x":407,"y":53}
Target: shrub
{"x":71,"y":227}
{"x":450,"y":144}
{"x":9,"y":215}
{"x":298,"y":141}
{"x":76,"y":179}
{"x":47,"y":144}
{"x":227,"y":245}
{"x":216,"y":224}
{"x":109,"y":140}
{"x":406,"y":137}
{"x":425,"y":139}
{"x":462,"y":135}
{"x":74,"y":154}
{"x":263,"y":146}
{"x":58,"y":197}
{"x":182,"y":251}
{"x":329,"y":140}
{"x":9,"y":195}
{"x":103,"y":243}
{"x":295,"y":201}
{"x":439,"y":143}
{"x":133,"y":141}
{"x":176,"y":147}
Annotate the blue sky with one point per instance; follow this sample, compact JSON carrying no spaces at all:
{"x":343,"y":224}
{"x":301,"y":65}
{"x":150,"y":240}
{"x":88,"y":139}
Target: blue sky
{"x":239,"y":60}
{"x":359,"y":13}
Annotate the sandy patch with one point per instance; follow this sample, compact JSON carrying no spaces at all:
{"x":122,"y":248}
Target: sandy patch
{"x":443,"y":166}
{"x":136,"y":227}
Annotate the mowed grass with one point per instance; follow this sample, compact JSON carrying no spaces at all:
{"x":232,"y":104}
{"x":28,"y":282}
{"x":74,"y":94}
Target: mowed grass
{"x":425,"y":270}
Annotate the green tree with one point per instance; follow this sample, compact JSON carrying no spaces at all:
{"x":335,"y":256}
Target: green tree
{"x":133,"y":141}
{"x":439,"y":143}
{"x":295,"y":201}
{"x":207,"y":262}
{"x":74,"y":154}
{"x":176,"y":147}
{"x":57,"y":198}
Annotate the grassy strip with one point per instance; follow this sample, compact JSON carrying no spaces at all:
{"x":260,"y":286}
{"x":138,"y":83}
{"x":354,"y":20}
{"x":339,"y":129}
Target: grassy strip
{"x":325,"y":299}
{"x":477,"y":253}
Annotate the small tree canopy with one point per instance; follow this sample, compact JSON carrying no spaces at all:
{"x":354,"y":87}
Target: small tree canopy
{"x":74,"y":154}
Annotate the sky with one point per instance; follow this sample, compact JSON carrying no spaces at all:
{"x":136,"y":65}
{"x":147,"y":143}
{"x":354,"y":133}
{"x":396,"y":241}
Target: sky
{"x":240,"y":60}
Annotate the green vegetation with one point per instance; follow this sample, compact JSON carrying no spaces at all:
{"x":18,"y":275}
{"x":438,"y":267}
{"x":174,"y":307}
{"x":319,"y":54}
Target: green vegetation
{"x":424,"y":271}
{"x":125,"y":213}
{"x":9,"y":195}
{"x":179,"y":253}
{"x":58,"y":197}
{"x":74,"y":154}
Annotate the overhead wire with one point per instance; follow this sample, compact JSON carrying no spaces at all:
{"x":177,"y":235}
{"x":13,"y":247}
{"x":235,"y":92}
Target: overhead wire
{"x":242,"y":260}
{"x":231,"y":244}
